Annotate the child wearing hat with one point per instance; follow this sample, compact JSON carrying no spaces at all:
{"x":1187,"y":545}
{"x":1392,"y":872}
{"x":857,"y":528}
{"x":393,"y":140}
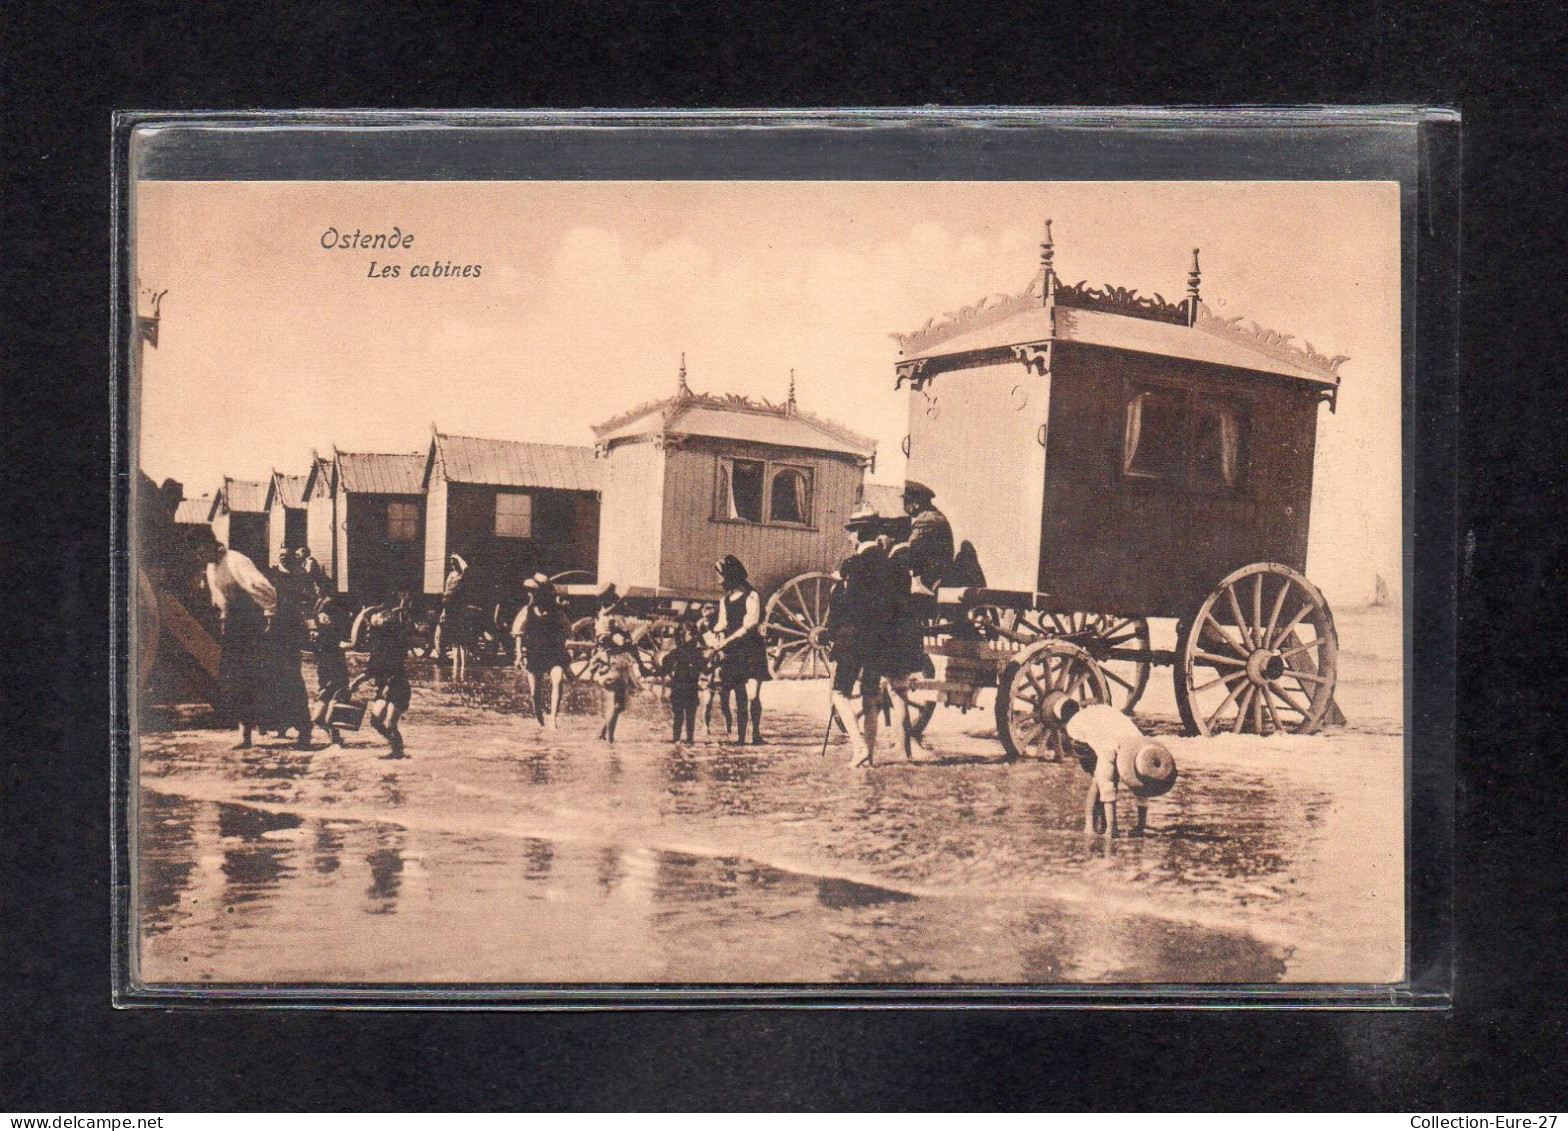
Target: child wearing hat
{"x":1115,"y":752}
{"x":616,"y":667}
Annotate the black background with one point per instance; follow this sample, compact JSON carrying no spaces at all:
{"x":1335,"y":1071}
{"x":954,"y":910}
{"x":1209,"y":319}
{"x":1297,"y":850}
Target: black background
{"x":64,"y":1048}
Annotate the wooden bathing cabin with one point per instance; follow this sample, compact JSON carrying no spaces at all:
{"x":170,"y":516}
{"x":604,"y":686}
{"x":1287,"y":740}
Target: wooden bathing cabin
{"x":510,"y":510}
{"x":193,"y":512}
{"x":1113,"y":451}
{"x":319,"y":502}
{"x":286,"y":514}
{"x":696,"y":476}
{"x":239,"y":518}
{"x":365,"y":521}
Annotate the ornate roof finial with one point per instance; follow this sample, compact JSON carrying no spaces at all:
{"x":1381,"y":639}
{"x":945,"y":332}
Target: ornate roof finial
{"x":1047,"y":264}
{"x":147,"y":324}
{"x":790,"y":405}
{"x":682,"y":389}
{"x":1194,"y":279}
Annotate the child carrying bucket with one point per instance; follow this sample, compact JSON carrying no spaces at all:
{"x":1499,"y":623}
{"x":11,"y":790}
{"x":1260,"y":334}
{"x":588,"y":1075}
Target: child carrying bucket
{"x":329,"y":639}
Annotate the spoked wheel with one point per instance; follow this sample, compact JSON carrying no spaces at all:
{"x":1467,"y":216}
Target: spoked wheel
{"x":793,"y":625}
{"x":1005,"y":629}
{"x":1260,"y":656}
{"x":579,"y":649}
{"x":653,"y":642}
{"x":1120,"y":645}
{"x":1030,"y":690}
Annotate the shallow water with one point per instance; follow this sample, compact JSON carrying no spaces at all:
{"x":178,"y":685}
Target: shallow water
{"x":502,"y":852}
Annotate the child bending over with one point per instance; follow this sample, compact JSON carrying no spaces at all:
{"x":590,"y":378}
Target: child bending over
{"x":1115,"y":752}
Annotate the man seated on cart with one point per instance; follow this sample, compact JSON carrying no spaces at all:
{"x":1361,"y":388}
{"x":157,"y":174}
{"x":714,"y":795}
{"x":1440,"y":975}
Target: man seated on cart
{"x":928,"y":551}
{"x":925,"y":554}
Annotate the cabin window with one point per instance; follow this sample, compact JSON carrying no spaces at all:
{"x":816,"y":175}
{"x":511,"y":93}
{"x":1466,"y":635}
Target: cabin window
{"x":1216,"y":444}
{"x":1190,"y":441}
{"x":740,"y":489}
{"x":1154,"y":448}
{"x":514,"y":515}
{"x":790,"y":498}
{"x":754,"y":490}
{"x":402,"y":522}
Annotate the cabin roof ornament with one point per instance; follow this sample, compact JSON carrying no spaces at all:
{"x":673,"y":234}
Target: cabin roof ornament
{"x":673,"y":420}
{"x":147,"y":324}
{"x":1023,"y":325}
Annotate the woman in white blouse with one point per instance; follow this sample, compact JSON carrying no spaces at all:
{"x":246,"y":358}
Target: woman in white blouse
{"x":247,"y":601}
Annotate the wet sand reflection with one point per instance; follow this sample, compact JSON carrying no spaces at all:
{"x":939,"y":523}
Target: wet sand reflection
{"x":501,"y":852}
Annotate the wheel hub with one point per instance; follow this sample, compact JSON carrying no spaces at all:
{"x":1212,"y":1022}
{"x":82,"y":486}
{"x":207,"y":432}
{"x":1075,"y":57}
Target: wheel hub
{"x":1055,"y":710}
{"x":815,"y":635}
{"x":1265,"y":666}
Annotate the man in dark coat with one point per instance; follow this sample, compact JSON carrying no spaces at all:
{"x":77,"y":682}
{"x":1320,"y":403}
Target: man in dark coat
{"x":928,"y":554}
{"x":861,"y":613}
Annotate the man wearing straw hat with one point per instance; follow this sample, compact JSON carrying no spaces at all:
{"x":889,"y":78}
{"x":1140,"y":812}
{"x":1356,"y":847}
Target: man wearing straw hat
{"x":861,"y":612}
{"x":1115,"y":752}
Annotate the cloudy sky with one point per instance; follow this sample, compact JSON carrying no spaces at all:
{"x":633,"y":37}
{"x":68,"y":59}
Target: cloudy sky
{"x":272,"y":345}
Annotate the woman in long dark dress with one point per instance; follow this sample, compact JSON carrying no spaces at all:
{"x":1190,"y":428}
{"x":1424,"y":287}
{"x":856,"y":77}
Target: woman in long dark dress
{"x":246,"y":602}
{"x":743,"y":668}
{"x":288,"y":705}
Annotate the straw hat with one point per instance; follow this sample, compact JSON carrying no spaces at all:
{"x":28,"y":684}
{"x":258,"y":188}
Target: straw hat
{"x":1145,"y":767}
{"x":863,"y":516}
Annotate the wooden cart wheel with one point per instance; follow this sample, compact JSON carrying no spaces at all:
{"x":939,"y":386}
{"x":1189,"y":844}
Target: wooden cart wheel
{"x":1005,"y":629}
{"x":1029,"y":687}
{"x":653,"y":642}
{"x":1120,"y":645}
{"x":579,"y":649}
{"x":793,"y":624}
{"x":1259,"y":656}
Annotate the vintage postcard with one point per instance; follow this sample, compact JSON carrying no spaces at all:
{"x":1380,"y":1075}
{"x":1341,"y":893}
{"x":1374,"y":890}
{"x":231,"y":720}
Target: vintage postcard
{"x":767,"y":583}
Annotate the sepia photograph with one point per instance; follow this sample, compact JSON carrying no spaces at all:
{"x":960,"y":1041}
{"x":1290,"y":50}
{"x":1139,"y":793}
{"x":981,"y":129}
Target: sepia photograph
{"x":767,"y":583}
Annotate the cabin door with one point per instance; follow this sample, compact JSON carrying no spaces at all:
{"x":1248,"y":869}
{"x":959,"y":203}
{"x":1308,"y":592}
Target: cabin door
{"x":977,"y":438}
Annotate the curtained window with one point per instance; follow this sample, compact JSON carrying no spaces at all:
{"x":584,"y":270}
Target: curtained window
{"x":1155,"y":425}
{"x":740,"y":489}
{"x":1216,"y":444}
{"x":1189,"y":441}
{"x":790,"y":499}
